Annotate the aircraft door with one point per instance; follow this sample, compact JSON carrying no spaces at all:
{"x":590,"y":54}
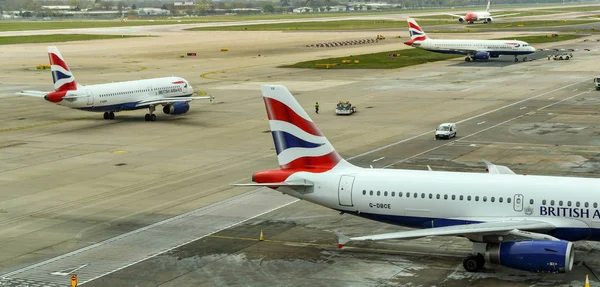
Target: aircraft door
{"x":345,"y":190}
{"x":518,"y":202}
{"x":90,"y":100}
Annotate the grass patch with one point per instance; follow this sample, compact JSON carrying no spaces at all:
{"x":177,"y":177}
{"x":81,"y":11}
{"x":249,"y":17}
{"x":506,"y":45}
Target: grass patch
{"x":582,"y":8}
{"x":408,"y":57}
{"x":55,"y":38}
{"x":532,"y":24}
{"x":314,"y":26}
{"x":544,"y":39}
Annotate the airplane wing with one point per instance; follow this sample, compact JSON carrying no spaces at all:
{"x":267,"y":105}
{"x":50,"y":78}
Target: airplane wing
{"x":37,"y":94}
{"x":453,"y":15}
{"x":513,"y":227}
{"x":504,"y":15}
{"x":497,"y":169}
{"x":165,"y":101}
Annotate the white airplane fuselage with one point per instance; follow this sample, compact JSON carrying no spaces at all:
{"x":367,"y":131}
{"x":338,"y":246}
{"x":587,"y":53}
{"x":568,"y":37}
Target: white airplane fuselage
{"x":125,"y":95}
{"x":493,"y":47}
{"x":426,"y":199}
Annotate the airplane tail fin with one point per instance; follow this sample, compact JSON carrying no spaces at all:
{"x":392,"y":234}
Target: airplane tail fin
{"x":299,"y":144}
{"x":416,"y":33}
{"x":487,"y":9}
{"x":61,"y":75}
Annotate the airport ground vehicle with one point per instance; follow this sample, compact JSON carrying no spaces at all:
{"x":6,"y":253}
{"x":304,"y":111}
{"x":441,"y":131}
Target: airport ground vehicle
{"x":344,"y":108}
{"x":597,"y":83}
{"x":380,"y":37}
{"x":563,"y":56}
{"x":445,"y":130}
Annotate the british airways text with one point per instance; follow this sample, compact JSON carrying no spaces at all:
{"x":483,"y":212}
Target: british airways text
{"x":568,"y":212}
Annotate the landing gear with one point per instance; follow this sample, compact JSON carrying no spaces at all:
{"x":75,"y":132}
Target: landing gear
{"x":474,"y":263}
{"x":468,"y":59}
{"x":516,"y":59}
{"x":109,"y":115}
{"x":524,"y":59}
{"x":150,"y":117}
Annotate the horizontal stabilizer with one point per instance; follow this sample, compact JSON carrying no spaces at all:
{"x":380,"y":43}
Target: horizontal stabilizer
{"x":497,"y":169}
{"x":37,"y":94}
{"x":274,"y":184}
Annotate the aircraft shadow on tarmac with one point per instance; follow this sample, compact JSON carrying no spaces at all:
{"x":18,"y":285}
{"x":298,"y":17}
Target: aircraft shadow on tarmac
{"x":504,"y":61}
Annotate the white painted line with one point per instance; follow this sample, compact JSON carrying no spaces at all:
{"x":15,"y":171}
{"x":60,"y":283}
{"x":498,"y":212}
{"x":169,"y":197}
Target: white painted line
{"x":465,"y":120}
{"x":575,"y":90}
{"x":480,"y":123}
{"x":566,"y":99}
{"x":550,"y":98}
{"x":522,"y":108}
{"x":378,"y":159}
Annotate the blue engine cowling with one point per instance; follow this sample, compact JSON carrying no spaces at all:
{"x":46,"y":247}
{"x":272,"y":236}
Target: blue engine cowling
{"x":545,"y":256}
{"x":481,"y":56}
{"x":176,"y":109}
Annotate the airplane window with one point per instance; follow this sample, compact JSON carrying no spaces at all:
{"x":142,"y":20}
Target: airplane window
{"x":461,"y":197}
{"x":422,"y":195}
{"x":577,"y":204}
{"x":430,"y":196}
{"x":469,"y":198}
{"x":544,"y":202}
{"x":552,"y":202}
{"x":492,"y":199}
{"x":407,"y":194}
{"x":371,"y":192}
{"x":437,"y":196}
{"x":364,"y":192}
{"x":453,"y":197}
{"x":476,"y":198}
{"x":560,"y":203}
{"x":595,"y":205}
{"x":500,"y":199}
{"x":586,"y":205}
{"x":378,"y":193}
{"x":393,"y":193}
{"x":508,"y":200}
{"x":569,"y":203}
{"x":385,"y":193}
{"x":531,"y":202}
{"x":416,"y":195}
{"x":485,"y":199}
{"x":445,"y":196}
{"x":400,"y":194}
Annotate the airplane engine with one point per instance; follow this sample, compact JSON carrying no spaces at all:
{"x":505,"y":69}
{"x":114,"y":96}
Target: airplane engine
{"x":533,"y":255}
{"x":55,"y":97}
{"x":489,"y":20}
{"x":481,"y":56}
{"x":461,"y":19}
{"x":176,"y":109}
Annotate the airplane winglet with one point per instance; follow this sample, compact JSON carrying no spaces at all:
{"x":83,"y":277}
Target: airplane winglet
{"x":342,"y":239}
{"x":429,"y":168}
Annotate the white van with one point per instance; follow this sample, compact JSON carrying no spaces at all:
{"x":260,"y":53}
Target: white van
{"x":445,"y":130}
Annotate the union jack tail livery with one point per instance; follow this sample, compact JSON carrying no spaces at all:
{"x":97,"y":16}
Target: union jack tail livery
{"x":61,"y":75}
{"x":300,"y":145}
{"x":416,"y":33}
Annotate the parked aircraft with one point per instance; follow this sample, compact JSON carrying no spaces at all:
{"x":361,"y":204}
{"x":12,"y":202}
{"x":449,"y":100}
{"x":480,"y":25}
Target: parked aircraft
{"x":173,"y":93}
{"x":474,"y":49}
{"x":523,"y":222}
{"x":484,"y":16}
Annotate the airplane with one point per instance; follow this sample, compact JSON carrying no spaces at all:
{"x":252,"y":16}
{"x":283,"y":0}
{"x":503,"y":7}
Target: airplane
{"x":473,"y":49}
{"x":484,"y":16}
{"x":522,"y":222}
{"x":173,"y":93}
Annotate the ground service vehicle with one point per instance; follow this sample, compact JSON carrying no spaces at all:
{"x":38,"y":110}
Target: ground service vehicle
{"x":445,"y":130}
{"x":344,"y":108}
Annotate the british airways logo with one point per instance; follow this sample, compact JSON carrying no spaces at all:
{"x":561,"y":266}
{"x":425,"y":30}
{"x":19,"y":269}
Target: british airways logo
{"x":568,"y":212}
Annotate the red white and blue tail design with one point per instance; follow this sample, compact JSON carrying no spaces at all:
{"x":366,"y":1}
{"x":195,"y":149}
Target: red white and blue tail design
{"x":61,"y":75}
{"x":416,"y":33}
{"x":300,"y":145}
